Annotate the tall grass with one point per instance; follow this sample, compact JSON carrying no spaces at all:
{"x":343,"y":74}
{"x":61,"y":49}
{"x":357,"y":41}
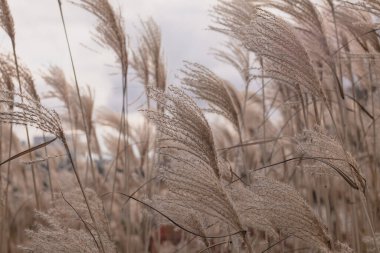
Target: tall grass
{"x":283,"y":160}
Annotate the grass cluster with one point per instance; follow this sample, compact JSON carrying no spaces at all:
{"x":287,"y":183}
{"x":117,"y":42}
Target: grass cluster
{"x":287,"y":162}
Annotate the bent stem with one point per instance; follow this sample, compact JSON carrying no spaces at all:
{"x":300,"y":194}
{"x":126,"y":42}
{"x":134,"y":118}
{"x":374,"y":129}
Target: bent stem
{"x":83,"y":193}
{"x":85,"y":123}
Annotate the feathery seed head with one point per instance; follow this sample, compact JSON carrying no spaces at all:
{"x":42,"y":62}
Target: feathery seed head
{"x":6,"y":20}
{"x":330,"y":154}
{"x":110,"y":28}
{"x":285,"y":58}
{"x":220,"y":95}
{"x":29,"y":112}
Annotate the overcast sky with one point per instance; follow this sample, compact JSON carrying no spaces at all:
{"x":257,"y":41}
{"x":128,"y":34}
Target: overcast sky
{"x":41,"y":43}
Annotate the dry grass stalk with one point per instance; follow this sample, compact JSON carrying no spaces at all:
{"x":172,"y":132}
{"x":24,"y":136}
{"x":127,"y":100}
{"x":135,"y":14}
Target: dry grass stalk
{"x":191,"y":155}
{"x":6,"y":20}
{"x":67,"y":226}
{"x":110,"y":33}
{"x":290,"y":214}
{"x":8,"y":25}
{"x":110,"y":30}
{"x":186,"y":140}
{"x":55,"y":78}
{"x":330,"y":153}
{"x":151,"y":38}
{"x":85,"y":124}
{"x":286,"y":59}
{"x":312,"y":48}
{"x":220,"y":95}
{"x":222,"y":98}
{"x":30,"y":112}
